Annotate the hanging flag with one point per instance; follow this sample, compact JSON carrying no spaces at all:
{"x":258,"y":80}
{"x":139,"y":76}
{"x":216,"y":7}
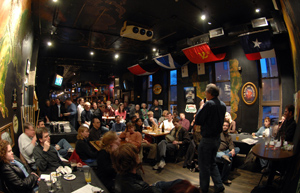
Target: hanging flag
{"x":202,"y":54}
{"x":138,"y":70}
{"x":257,"y":45}
{"x":184,"y":71}
{"x":201,"y":68}
{"x":167,"y":62}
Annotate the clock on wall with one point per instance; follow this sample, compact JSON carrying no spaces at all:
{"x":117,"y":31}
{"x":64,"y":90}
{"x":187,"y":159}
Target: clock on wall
{"x":157,"y":89}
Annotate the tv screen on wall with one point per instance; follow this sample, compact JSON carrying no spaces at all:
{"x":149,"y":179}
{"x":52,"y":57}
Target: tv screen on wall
{"x":58,"y":80}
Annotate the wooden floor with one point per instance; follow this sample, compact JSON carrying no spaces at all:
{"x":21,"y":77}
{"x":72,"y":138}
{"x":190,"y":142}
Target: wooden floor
{"x":242,"y":180}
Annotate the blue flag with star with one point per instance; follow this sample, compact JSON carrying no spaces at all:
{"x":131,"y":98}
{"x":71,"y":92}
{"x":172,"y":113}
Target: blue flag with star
{"x":257,"y":45}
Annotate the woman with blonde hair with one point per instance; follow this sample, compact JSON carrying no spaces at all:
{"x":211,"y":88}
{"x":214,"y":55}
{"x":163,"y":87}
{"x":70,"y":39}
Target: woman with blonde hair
{"x":83,"y":149}
{"x":15,"y":176}
{"x":106,"y":173}
{"x":232,"y":126}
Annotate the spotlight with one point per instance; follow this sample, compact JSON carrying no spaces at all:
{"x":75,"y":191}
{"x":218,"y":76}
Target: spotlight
{"x":203,"y":17}
{"x":116,"y":56}
{"x":92,"y":53}
{"x":49,"y":43}
{"x":55,"y":1}
{"x":142,"y":31}
{"x":154,"y":49}
{"x":257,"y":10}
{"x":135,"y":30}
{"x":149,"y":33}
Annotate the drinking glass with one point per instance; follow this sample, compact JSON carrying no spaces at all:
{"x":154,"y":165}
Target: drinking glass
{"x":49,"y":185}
{"x":58,"y":182}
{"x":237,"y":137}
{"x":87,"y":175}
{"x":73,"y":163}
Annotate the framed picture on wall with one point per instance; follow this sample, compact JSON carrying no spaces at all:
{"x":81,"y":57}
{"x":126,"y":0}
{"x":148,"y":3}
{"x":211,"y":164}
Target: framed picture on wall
{"x":249,"y":93}
{"x":189,"y":93}
{"x":7,"y":133}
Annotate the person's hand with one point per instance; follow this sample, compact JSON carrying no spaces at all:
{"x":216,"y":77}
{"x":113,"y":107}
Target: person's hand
{"x":151,"y":119}
{"x":79,"y":165}
{"x":36,"y":175}
{"x":175,"y":142}
{"x":232,"y":152}
{"x":107,"y":126}
{"x":253,"y":134}
{"x":126,"y":139}
{"x":57,"y":147}
{"x":61,"y":115}
{"x":156,"y":109}
{"x":46,"y":146}
{"x":33,"y":141}
{"x":201,"y":104}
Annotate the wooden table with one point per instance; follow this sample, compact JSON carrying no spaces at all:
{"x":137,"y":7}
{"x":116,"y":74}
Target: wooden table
{"x":96,"y":144}
{"x":244,"y":147}
{"x":271,"y":154}
{"x":156,"y":135}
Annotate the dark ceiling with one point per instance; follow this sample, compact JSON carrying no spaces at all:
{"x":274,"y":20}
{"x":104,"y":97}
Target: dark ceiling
{"x":77,"y":27}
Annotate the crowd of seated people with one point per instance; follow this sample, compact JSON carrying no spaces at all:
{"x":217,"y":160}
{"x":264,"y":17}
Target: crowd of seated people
{"x":35,"y":145}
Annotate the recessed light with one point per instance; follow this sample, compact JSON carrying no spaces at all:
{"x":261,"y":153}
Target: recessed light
{"x":92,"y":53}
{"x":209,"y":23}
{"x":257,"y":10}
{"x":49,"y":43}
{"x":116,"y":56}
{"x":154,"y":49}
{"x":55,"y":1}
{"x":203,"y":17}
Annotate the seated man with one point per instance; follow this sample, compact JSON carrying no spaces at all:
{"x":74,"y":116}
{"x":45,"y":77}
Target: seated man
{"x":46,"y":157}
{"x":95,"y":131}
{"x":86,"y":114}
{"x":176,"y":140}
{"x":27,"y":142}
{"x":226,"y":152}
{"x":118,"y":126}
{"x":151,"y":121}
{"x":168,"y":124}
{"x":104,"y":124}
{"x":63,"y":146}
{"x":185,"y":123}
{"x":131,"y":136}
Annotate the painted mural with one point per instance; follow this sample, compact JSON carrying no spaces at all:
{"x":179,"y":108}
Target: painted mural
{"x":14,"y":16}
{"x":200,"y":88}
{"x":235,"y":86}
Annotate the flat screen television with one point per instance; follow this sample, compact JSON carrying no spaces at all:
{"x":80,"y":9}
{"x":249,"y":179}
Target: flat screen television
{"x":58,"y":80}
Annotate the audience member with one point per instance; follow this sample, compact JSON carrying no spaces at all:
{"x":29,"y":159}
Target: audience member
{"x":57,"y":111}
{"x":125,"y":161}
{"x":151,"y":121}
{"x":104,"y":125}
{"x":175,"y":115}
{"x":46,"y":113}
{"x":80,"y":108}
{"x":210,"y":117}
{"x":266,"y":129}
{"x":168,"y":124}
{"x":277,"y":127}
{"x":83,"y":148}
{"x":226,"y":152}
{"x":115,"y":106}
{"x":146,"y":144}
{"x":121,"y":112}
{"x":14,"y":174}
{"x":118,"y":126}
{"x":144,"y":111}
{"x":86,"y":114}
{"x":95,"y":131}
{"x":106,"y":173}
{"x":288,"y":127}
{"x":232,"y":127}
{"x":109,"y":111}
{"x":131,"y":136}
{"x":71,"y":112}
{"x":94,"y":107}
{"x":156,"y":109}
{"x":46,"y":157}
{"x":185,"y":123}
{"x":163,"y":117}
{"x":177,"y":140}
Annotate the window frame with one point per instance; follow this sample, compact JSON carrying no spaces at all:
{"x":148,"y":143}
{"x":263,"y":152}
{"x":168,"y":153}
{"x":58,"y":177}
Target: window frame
{"x":170,"y":103}
{"x":227,"y":103}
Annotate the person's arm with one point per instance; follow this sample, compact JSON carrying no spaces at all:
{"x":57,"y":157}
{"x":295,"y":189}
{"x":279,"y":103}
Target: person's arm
{"x":202,"y":113}
{"x":113,"y":128}
{"x":83,"y":117}
{"x":123,"y":127}
{"x":137,"y":141}
{"x":13,"y":179}
{"x":41,"y":158}
{"x":146,"y":123}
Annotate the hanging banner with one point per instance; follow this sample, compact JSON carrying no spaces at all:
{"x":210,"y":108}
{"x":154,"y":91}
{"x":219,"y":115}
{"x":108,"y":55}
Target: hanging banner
{"x":201,"y":68}
{"x":184,"y":71}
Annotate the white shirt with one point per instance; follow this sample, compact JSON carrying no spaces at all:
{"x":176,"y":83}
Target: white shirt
{"x":168,"y":125}
{"x":79,"y":111}
{"x":26,"y":147}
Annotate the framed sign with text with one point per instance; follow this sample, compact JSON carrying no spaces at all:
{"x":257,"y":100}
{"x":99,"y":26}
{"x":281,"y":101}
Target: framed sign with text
{"x":249,"y":93}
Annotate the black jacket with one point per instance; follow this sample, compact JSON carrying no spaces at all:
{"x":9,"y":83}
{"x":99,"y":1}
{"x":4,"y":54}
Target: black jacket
{"x":106,"y":172}
{"x":15,"y":180}
{"x":47,"y":160}
{"x":133,"y":183}
{"x":84,"y":150}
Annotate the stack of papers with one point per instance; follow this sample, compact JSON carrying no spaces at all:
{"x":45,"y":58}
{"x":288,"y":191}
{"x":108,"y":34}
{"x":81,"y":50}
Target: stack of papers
{"x":88,"y":188}
{"x":249,"y":141}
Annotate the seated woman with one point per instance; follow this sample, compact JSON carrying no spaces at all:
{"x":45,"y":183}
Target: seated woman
{"x":265,"y":129}
{"x":121,"y":112}
{"x":131,"y":136}
{"x":163,"y":117}
{"x":125,"y":161}
{"x":14,"y":175}
{"x":83,"y":148}
{"x":106,"y":173}
{"x":232,"y":126}
{"x":146,"y":144}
